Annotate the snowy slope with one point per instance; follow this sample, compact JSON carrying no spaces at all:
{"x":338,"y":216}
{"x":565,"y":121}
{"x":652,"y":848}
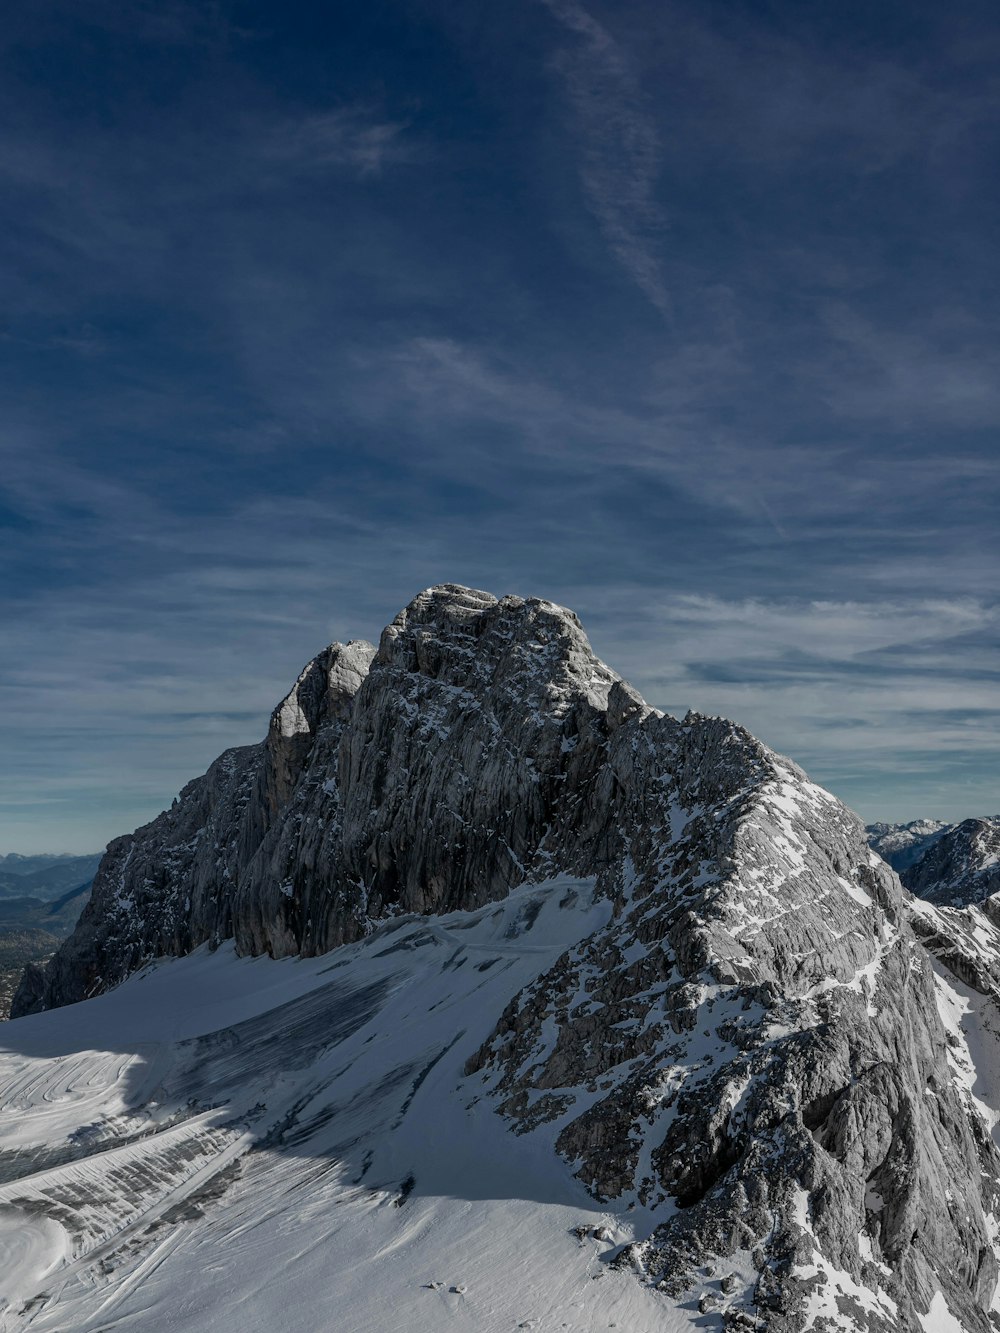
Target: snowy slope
{"x":252,"y":1145}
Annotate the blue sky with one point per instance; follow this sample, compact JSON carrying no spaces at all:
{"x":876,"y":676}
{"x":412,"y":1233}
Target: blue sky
{"x":684,"y":315}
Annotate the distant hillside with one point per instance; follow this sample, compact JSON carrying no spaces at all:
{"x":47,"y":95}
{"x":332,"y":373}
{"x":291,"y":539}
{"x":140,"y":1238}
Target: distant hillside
{"x":33,"y":924}
{"x":960,"y":867}
{"x":45,"y":877}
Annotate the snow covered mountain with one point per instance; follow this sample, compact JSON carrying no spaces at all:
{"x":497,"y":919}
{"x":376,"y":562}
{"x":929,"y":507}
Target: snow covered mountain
{"x":903,"y":844}
{"x":44,"y":877}
{"x":960,"y":867}
{"x":559,"y":989}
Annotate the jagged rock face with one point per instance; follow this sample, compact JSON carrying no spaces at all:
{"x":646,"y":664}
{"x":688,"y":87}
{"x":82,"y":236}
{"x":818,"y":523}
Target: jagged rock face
{"x":162,"y":890}
{"x":966,"y":940}
{"x":957,"y":869}
{"x":477,"y":734}
{"x":903,"y":844}
{"x":957,"y":912}
{"x":289,"y":893}
{"x":752,"y":1045}
{"x":457,"y":776}
{"x":438,"y":772}
{"x":174,"y":883}
{"x":961,"y":867}
{"x":751,"y":1049}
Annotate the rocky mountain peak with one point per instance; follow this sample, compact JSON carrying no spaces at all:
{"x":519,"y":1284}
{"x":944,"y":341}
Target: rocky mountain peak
{"x":436,"y":770}
{"x":470,"y":737}
{"x":468,"y":638}
{"x":324,"y":691}
{"x":323,"y":695}
{"x":744,"y":1047}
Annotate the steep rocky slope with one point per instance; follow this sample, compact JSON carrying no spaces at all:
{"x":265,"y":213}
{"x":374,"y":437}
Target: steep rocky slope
{"x":173,"y":884}
{"x":457,"y":766}
{"x":757,"y":1050}
{"x":954,"y":869}
{"x":749,"y":1051}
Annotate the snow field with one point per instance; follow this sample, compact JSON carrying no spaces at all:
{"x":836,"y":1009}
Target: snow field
{"x":253,"y":1146}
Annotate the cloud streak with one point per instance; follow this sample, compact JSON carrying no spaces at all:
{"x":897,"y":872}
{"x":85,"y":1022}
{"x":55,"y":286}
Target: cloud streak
{"x":352,"y":137}
{"x":619,"y":147}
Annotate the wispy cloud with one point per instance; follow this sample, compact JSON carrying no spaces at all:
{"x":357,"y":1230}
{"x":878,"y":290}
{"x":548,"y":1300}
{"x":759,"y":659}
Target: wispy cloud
{"x":348,"y":137}
{"x":619,"y":146}
{"x":672,"y":434}
{"x":883,"y":701}
{"x":941,"y":370}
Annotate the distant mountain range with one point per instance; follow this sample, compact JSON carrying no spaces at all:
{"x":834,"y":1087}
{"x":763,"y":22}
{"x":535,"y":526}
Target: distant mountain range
{"x":953,"y":865}
{"x":41,"y":898}
{"x":45,"y":877}
{"x":902,"y":844}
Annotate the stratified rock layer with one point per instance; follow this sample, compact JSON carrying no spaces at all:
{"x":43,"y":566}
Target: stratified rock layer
{"x":750,"y":1050}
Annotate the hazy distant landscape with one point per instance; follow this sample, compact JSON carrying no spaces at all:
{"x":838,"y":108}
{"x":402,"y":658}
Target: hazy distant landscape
{"x":41,"y":898}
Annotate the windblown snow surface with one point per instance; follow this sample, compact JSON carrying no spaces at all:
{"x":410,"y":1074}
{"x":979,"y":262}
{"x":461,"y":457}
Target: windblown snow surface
{"x":250,"y":1146}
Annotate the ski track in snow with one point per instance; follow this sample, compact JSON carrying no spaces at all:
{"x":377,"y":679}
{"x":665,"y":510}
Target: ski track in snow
{"x":255,"y":1146}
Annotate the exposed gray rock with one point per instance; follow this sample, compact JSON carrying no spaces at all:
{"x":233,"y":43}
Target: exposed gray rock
{"x":458,"y":776}
{"x":956,"y":873}
{"x":164,"y":889}
{"x":453,"y":772}
{"x":752,"y":1046}
{"x":750,"y":1049}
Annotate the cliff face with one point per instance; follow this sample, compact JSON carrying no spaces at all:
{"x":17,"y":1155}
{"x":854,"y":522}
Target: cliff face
{"x":751,"y":1047}
{"x":174,"y":884}
{"x":471,"y":742}
{"x":438,"y":772}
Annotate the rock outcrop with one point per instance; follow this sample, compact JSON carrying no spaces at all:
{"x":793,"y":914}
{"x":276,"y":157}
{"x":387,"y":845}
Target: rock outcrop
{"x":954,"y":869}
{"x":753,"y":1047}
{"x":750,"y":1051}
{"x":440,"y":771}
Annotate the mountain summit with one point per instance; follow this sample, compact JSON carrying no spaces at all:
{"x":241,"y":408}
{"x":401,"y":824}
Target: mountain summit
{"x":647,"y":952}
